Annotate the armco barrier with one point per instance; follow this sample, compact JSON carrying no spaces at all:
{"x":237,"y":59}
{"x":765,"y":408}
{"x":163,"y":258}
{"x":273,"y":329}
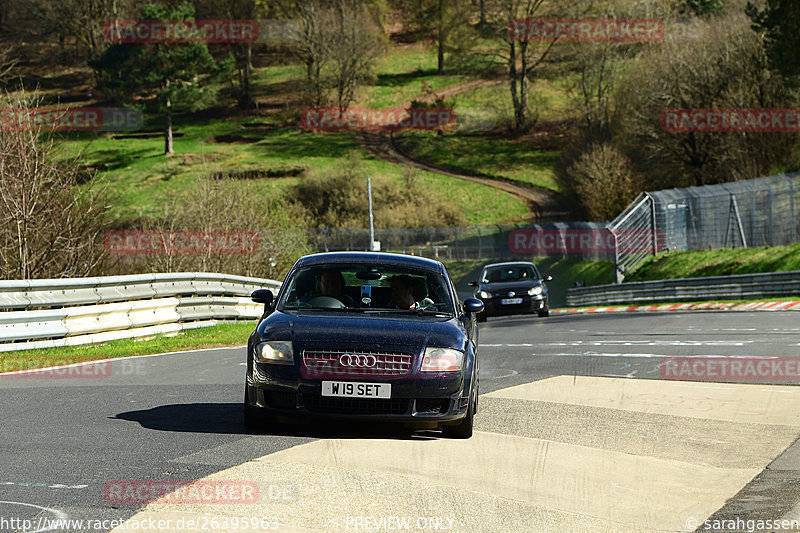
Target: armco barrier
{"x":65,"y":312}
{"x":739,"y":287}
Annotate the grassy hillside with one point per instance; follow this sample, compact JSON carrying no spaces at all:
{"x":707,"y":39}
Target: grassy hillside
{"x":267,"y":140}
{"x":718,"y":263}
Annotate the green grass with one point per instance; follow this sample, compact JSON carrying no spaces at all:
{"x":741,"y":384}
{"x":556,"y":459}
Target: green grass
{"x":486,"y":154}
{"x":142,"y":182}
{"x":675,"y":265}
{"x":227,"y":334}
{"x":400,"y":76}
{"x":474,"y":146}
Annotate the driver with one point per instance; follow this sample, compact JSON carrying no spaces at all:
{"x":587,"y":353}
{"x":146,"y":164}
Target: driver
{"x":331,"y":283}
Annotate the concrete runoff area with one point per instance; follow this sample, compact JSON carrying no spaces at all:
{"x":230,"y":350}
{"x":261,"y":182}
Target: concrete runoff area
{"x":512,"y":476}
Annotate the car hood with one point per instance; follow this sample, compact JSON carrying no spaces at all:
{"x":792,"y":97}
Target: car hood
{"x":510,"y":285}
{"x":329,"y":330}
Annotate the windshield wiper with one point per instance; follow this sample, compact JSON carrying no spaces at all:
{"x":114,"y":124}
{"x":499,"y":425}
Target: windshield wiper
{"x":423,"y":312}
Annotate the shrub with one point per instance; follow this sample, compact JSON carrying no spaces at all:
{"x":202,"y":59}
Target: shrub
{"x":603,"y":180}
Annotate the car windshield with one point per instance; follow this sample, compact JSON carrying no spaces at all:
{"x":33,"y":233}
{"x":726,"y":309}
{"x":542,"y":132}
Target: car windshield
{"x":502,"y":274}
{"x":367,"y":288}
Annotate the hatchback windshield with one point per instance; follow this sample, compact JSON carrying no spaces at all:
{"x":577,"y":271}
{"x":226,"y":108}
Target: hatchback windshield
{"x":509,"y":273}
{"x":360,"y":287}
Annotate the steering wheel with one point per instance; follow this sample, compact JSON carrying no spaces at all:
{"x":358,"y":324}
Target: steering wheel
{"x":327,"y":302}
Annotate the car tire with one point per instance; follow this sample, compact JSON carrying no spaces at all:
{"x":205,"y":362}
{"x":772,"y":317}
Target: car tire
{"x":250,"y":417}
{"x":480,"y":318}
{"x":462,"y":430}
{"x":254,"y":420}
{"x":544,"y":312}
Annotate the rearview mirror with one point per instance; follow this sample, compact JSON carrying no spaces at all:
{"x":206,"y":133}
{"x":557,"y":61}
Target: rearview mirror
{"x":548,"y":278}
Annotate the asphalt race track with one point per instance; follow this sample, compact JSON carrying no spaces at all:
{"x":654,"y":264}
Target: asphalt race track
{"x":576,"y":431}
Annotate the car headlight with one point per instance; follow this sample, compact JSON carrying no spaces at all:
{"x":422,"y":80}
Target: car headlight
{"x":442,"y":360}
{"x":483,"y":295}
{"x":535,"y":291}
{"x":278,"y":352}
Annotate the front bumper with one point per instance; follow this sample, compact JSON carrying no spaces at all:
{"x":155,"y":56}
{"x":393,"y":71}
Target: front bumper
{"x":281,"y":390}
{"x":494,"y":307}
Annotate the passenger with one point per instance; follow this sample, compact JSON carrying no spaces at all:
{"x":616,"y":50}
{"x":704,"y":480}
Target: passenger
{"x":403,"y":294}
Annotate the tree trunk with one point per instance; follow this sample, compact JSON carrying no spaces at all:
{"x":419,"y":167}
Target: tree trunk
{"x":440,"y":36}
{"x":483,"y":13}
{"x":168,"y":132}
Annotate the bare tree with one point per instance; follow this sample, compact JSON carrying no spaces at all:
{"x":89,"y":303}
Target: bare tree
{"x":312,"y":43}
{"x":716,"y":64}
{"x":521,"y":57}
{"x":219,"y":207}
{"x":338,"y":41}
{"x":82,"y":19}
{"x":355,"y":45}
{"x":7,"y":62}
{"x":51,"y":226}
{"x":446,"y":23}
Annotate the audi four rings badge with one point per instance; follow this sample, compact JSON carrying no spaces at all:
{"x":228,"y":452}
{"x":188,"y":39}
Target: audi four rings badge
{"x":358,"y":361}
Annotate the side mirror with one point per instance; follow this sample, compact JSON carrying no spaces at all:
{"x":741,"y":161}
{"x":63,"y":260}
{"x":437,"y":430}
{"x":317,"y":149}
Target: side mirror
{"x":548,"y":278}
{"x":262,"y":296}
{"x":473,"y":306}
{"x":473,"y":283}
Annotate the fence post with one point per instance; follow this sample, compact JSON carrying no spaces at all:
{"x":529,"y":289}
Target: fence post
{"x":791,"y":205}
{"x":480,"y":247}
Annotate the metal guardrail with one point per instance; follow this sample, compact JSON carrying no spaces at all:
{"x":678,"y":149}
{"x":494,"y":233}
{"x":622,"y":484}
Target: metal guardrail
{"x":64,"y":312}
{"x":738,"y":287}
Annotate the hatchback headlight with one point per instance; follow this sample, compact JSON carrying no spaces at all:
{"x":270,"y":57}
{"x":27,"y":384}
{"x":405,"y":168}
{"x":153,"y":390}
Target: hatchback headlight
{"x":278,"y":352}
{"x":483,"y":295}
{"x":535,"y":291}
{"x":442,"y":360}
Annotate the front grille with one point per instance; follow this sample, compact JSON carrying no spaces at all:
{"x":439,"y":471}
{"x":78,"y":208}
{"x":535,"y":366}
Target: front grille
{"x":334,"y":363}
{"x":280,"y":400}
{"x":373,"y":406}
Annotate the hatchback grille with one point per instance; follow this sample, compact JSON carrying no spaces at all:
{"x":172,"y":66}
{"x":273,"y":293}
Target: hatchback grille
{"x":355,"y":363}
{"x":375,"y":406}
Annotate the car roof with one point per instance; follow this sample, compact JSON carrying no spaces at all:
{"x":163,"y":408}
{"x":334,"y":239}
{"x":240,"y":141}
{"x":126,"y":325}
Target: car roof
{"x":370,"y":258}
{"x":510,"y":263}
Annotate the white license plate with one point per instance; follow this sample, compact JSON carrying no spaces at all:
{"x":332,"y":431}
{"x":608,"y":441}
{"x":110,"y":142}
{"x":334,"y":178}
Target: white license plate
{"x":511,"y":301}
{"x":356,"y":390}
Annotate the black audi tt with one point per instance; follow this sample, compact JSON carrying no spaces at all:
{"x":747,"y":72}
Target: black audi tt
{"x":364,"y":335}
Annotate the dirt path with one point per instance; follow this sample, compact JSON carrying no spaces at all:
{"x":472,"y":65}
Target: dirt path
{"x":545,"y":205}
